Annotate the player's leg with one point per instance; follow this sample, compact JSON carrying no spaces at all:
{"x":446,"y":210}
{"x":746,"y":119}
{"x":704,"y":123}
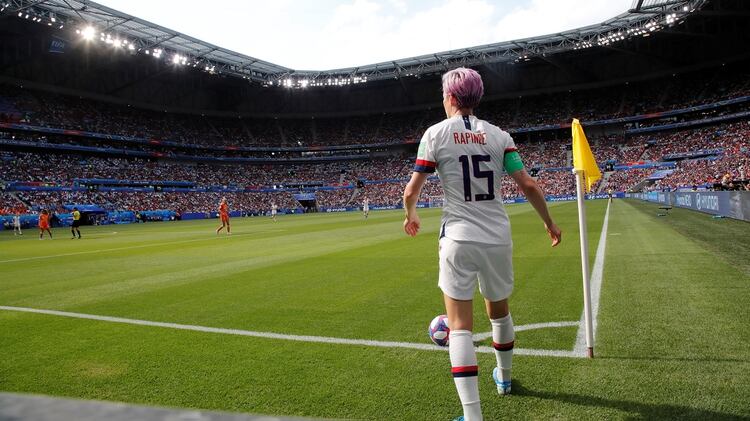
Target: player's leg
{"x":50,"y":233}
{"x":503,"y":339}
{"x":496,"y":285}
{"x":78,"y":230}
{"x":73,"y":231}
{"x":41,"y":233}
{"x":457,"y":281}
{"x":463,"y":356}
{"x":220,"y":227}
{"x":229,"y":229}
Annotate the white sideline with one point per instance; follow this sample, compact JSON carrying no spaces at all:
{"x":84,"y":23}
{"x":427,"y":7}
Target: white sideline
{"x":580,"y":348}
{"x":301,"y":338}
{"x":521,"y":328}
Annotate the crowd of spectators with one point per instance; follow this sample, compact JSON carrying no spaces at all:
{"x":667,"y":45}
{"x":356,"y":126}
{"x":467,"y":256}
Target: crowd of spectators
{"x":727,"y":166}
{"x":724,"y":162}
{"x":732,"y":138}
{"x":627,"y":179}
{"x":10,"y":205}
{"x":678,"y":91}
{"x":727,"y":172}
{"x":64,"y":170}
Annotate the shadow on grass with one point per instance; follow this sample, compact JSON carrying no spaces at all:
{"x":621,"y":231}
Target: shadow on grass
{"x":637,"y":410}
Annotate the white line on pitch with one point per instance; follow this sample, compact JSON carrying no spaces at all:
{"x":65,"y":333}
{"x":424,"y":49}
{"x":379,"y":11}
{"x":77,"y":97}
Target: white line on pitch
{"x":272,"y":335}
{"x":596,"y":289}
{"x":521,"y":328}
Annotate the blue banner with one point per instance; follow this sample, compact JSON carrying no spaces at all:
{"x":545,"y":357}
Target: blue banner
{"x":732,"y":204}
{"x":304,"y":196}
{"x":57,"y":45}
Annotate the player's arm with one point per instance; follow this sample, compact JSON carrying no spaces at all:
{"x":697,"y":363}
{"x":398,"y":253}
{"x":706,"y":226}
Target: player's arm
{"x":411,"y":197}
{"x":514,"y":167}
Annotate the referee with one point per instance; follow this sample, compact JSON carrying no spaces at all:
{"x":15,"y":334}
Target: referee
{"x":76,"y":223}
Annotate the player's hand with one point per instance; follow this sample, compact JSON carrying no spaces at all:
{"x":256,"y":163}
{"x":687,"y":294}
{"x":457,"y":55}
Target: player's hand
{"x":411,"y":225}
{"x":554,"y":233}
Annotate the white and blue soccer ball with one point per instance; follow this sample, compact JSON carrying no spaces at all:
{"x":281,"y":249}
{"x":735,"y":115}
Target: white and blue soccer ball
{"x":439,"y":330}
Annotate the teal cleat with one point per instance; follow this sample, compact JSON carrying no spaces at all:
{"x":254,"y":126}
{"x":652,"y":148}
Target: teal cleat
{"x":503,"y":388}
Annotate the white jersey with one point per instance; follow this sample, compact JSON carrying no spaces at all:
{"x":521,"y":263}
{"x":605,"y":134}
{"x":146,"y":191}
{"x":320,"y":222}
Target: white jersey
{"x":16,"y":221}
{"x":468,"y":155}
{"x":274,"y":208}
{"x":366,"y":205}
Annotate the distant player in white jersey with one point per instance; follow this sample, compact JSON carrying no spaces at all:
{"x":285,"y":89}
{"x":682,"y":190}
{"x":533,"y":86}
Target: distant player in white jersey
{"x":274,"y":210}
{"x":366,"y":207}
{"x":17,"y":225}
{"x":470,"y":156}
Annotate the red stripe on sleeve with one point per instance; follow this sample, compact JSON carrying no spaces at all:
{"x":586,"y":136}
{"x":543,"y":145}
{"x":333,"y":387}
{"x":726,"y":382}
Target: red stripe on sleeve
{"x":424,"y":163}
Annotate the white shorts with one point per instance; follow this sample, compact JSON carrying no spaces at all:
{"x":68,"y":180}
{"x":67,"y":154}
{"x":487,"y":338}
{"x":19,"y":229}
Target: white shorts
{"x":463,"y":263}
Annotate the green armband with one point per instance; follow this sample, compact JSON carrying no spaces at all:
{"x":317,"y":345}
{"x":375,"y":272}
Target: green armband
{"x":512,"y":162}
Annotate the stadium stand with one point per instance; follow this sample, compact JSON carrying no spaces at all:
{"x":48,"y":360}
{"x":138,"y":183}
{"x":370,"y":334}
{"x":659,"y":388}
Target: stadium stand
{"x":60,"y":150}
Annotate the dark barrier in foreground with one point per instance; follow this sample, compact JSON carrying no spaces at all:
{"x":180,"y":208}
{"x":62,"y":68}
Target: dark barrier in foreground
{"x":19,"y":407}
{"x":732,"y":204}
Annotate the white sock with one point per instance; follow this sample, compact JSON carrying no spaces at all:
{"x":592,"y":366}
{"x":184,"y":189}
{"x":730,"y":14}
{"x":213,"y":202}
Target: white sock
{"x":503,"y":337}
{"x":464,"y":369}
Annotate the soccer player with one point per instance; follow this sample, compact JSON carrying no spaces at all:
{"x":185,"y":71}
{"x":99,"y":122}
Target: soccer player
{"x":44,"y":224}
{"x":366,"y":207}
{"x":274,"y":209}
{"x":224,"y":215}
{"x":74,"y":228}
{"x":470,"y":156}
{"x":17,"y":225}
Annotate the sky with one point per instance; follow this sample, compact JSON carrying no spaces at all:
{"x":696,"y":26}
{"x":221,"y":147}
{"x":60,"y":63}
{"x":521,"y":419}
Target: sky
{"x":331,"y":34}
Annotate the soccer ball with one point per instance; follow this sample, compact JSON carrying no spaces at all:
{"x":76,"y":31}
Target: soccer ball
{"x":439,"y":331}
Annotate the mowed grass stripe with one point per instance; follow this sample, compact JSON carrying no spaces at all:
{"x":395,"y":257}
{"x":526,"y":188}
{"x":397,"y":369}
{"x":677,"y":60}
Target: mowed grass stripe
{"x":209,"y":253}
{"x":382,"y":277}
{"x":673,"y":319}
{"x":386,"y":289}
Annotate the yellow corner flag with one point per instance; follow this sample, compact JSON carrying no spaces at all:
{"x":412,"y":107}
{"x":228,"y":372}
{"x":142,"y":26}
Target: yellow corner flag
{"x":583,"y":159}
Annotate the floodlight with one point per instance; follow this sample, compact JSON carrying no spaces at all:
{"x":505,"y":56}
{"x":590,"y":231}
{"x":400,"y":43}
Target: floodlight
{"x":88,"y":33}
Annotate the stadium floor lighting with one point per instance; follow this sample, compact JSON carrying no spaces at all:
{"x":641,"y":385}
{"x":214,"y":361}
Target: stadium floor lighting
{"x":88,"y":33}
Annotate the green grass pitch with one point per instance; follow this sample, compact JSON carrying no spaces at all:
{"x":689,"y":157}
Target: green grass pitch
{"x":673,"y":336}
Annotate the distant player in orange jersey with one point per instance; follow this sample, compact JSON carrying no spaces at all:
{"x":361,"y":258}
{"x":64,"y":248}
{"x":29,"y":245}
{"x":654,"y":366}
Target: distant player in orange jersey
{"x":44,"y":224}
{"x":224,"y":215}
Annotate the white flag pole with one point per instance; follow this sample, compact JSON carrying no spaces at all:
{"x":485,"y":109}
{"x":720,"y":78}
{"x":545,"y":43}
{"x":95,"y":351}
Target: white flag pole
{"x":585,"y":262}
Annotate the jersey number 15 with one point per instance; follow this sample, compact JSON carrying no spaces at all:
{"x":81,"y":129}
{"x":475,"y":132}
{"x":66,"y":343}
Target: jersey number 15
{"x":478,"y":173}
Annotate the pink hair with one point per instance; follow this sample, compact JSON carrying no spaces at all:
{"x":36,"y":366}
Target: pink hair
{"x":465,"y":85}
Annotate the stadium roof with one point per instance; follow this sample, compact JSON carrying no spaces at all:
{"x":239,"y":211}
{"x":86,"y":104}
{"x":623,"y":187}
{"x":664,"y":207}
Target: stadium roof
{"x":99,"y":23}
